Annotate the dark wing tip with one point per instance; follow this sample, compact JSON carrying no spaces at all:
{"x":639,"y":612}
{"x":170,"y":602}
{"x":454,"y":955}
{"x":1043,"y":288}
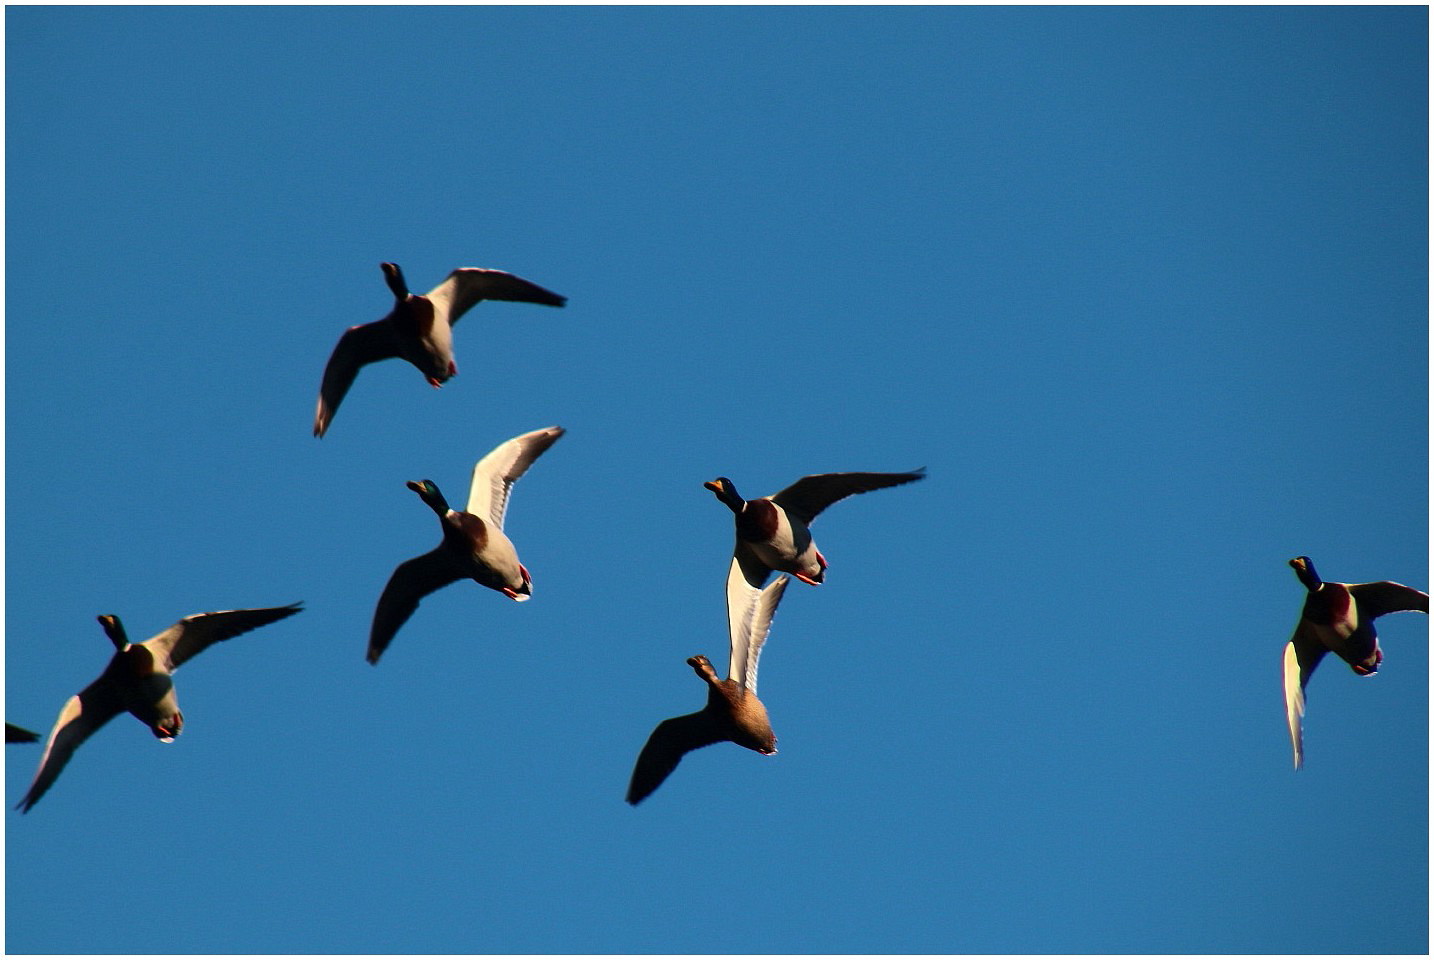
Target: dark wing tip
{"x":14,"y":734}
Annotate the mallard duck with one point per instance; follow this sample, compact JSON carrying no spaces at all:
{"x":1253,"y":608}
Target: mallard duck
{"x":1338,"y":618}
{"x":473,"y":547}
{"x":733,"y":711}
{"x":14,"y":734}
{"x":138,"y":681}
{"x":419,"y":329}
{"x":773,"y":532}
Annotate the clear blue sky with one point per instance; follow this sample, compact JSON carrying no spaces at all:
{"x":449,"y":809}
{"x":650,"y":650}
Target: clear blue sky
{"x":1144,"y":289}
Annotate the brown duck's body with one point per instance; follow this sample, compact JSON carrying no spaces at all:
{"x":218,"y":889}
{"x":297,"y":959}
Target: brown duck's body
{"x":733,"y":713}
{"x":1337,"y":618}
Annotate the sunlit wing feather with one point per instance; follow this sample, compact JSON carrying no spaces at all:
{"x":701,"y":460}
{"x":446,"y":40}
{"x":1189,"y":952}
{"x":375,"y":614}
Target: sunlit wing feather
{"x":495,"y":474}
{"x":749,"y":621}
{"x":466,"y":286}
{"x":192,"y":635}
{"x":1302,"y":654}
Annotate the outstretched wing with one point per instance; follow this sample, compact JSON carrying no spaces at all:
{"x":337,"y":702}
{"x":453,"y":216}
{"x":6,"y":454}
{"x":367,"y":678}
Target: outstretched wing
{"x":495,"y":474}
{"x":411,"y":581}
{"x":82,"y":715}
{"x":358,"y":346}
{"x":1386,"y":596}
{"x":811,"y":495}
{"x":467,"y":285}
{"x":192,"y":635}
{"x":749,"y":620}
{"x":665,"y":748}
{"x":1302,"y":654}
{"x":14,"y":734}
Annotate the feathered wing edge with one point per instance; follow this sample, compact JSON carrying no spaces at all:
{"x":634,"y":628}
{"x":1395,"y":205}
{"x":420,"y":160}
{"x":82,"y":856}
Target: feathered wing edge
{"x":749,"y":621}
{"x":494,"y":475}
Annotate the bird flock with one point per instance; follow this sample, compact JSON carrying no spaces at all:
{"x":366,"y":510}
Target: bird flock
{"x":773,"y":535}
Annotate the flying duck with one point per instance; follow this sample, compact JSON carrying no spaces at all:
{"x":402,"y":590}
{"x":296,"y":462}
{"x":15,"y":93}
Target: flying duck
{"x":419,"y":329}
{"x":473,"y":547}
{"x":772,"y":532}
{"x":14,"y":734}
{"x":1338,"y":618}
{"x":138,"y":681}
{"x":733,"y":711}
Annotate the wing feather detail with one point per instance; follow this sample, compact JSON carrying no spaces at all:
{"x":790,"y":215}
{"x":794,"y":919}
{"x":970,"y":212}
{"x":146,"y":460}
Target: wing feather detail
{"x":749,"y":621}
{"x":494,"y":475}
{"x":1302,"y":654}
{"x":194,"y":634}
{"x":466,"y":286}
{"x":811,"y":495}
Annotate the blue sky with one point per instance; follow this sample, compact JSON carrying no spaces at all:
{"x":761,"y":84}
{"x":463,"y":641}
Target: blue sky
{"x":1144,"y":289}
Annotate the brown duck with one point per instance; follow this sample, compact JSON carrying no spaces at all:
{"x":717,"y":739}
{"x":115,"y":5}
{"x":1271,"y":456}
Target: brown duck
{"x":733,"y":712}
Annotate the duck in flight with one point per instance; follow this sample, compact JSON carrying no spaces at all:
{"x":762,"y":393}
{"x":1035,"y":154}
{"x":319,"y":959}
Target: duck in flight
{"x":1337,"y":618}
{"x":419,"y":329}
{"x":473,"y":547}
{"x":733,"y":712}
{"x":139,"y":681}
{"x":773,"y":532}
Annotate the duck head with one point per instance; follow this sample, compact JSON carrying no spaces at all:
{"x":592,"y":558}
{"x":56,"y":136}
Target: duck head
{"x":1304,"y":569}
{"x":394,"y":277}
{"x":114,"y":630}
{"x":431,"y":495}
{"x":727,"y":493}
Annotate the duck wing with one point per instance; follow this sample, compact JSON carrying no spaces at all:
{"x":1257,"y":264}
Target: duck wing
{"x":411,"y":581}
{"x":192,"y":635}
{"x":1302,"y":654}
{"x":82,"y":715}
{"x":670,"y":740}
{"x":811,"y":495}
{"x":495,"y":474}
{"x":749,"y":621}
{"x":14,"y":734}
{"x":468,"y":285}
{"x":1386,"y":596}
{"x":361,"y":345}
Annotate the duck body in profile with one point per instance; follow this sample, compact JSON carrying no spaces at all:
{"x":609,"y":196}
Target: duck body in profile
{"x":773,"y":533}
{"x":733,"y":713}
{"x":474,"y":546}
{"x":418,"y":329}
{"x":1337,"y":618}
{"x":139,"y":680}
